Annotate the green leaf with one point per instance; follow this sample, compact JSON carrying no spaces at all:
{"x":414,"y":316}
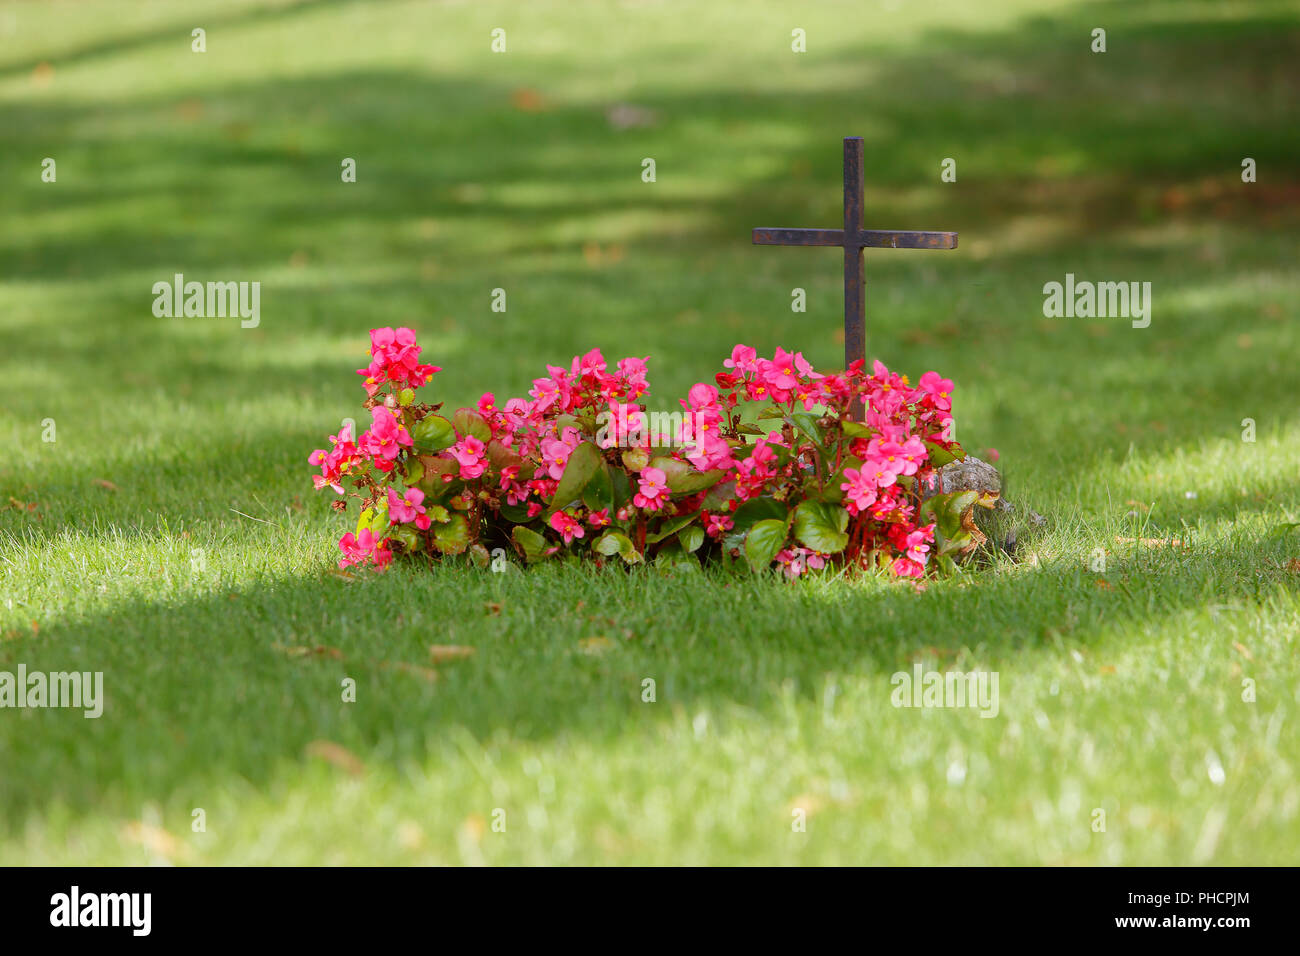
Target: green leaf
{"x":940,"y":456}
{"x":615,"y":542}
{"x":433,"y":433}
{"x":453,"y":536}
{"x":479,"y":555}
{"x":946,"y":512}
{"x":634,"y":459}
{"x":671,"y":526}
{"x":438,"y":513}
{"x":469,"y":422}
{"x":745,"y":428}
{"x":691,"y":538}
{"x":501,"y":456}
{"x":758,"y":509}
{"x":1282,"y":530}
{"x":808,"y":425}
{"x":414,"y":472}
{"x":410,"y":538}
{"x":854,"y":429}
{"x":682,"y":479}
{"x":515,"y":514}
{"x":821,"y":526}
{"x":531,"y":544}
{"x":763,"y":542}
{"x":599,"y":493}
{"x":582,"y":464}
{"x":405,"y":397}
{"x":718,"y":496}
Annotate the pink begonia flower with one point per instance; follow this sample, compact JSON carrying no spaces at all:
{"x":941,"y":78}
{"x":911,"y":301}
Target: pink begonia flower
{"x":395,"y":358}
{"x":743,"y":359}
{"x":779,"y":373}
{"x":590,"y":364}
{"x":385,"y":437}
{"x":653,"y":493}
{"x":364,"y":548}
{"x":556,"y":452}
{"x":336,"y":463}
{"x":535,"y":508}
{"x":937,"y":388}
{"x":914,"y":454}
{"x":468,"y":453}
{"x":715,"y":525}
{"x":702,"y":396}
{"x":907,"y":568}
{"x":918,"y":544}
{"x":408,"y":508}
{"x":599,"y":519}
{"x":568,"y":526}
{"x":859,"y":490}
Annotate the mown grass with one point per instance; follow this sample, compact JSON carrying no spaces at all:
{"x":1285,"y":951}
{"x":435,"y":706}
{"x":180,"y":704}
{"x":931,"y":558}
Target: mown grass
{"x":193,"y":574}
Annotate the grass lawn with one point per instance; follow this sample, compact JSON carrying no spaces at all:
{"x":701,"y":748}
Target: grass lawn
{"x":170,"y":538}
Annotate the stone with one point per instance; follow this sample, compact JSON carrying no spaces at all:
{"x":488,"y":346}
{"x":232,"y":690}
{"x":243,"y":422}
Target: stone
{"x":1005,"y":526}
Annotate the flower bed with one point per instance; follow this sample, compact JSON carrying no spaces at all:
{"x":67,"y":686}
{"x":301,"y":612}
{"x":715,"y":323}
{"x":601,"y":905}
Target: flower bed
{"x":764,"y":468}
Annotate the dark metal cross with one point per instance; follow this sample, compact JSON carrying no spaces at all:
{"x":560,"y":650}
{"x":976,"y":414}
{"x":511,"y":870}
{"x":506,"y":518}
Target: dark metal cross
{"x":854,"y":239}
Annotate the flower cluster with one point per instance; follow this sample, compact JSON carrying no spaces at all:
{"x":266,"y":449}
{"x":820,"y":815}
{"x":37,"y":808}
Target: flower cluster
{"x":773,"y":464}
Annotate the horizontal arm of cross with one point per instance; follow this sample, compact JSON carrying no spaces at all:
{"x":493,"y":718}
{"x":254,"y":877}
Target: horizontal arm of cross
{"x":862,"y":239}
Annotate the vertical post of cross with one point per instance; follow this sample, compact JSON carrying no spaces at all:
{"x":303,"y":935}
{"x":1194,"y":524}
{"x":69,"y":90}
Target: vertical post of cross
{"x":855,"y":309}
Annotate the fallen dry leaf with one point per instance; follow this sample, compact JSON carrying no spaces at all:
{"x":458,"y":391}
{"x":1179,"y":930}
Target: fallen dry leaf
{"x":342,"y":575}
{"x":442,"y":653}
{"x":105,"y":483}
{"x":302,"y":650}
{"x":154,"y":839}
{"x":337,"y":755}
{"x":1293,"y":565}
{"x":595,"y":645}
{"x":1108,"y":669}
{"x":493,"y":608}
{"x":1243,"y":650}
{"x":1103,"y":584}
{"x":1152,"y":542}
{"x":526,"y":99}
{"x":428,"y":673}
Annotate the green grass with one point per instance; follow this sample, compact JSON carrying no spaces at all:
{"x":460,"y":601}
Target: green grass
{"x":1120,"y":690}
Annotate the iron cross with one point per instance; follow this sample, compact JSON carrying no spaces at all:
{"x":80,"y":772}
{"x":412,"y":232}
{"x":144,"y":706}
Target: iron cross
{"x":854,"y":239}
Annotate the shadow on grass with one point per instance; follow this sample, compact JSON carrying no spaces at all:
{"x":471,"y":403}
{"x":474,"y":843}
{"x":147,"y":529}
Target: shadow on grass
{"x":235,"y":682}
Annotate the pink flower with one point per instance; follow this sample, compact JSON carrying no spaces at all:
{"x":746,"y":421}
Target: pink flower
{"x":568,"y":526}
{"x":385,"y":437}
{"x":599,"y":519}
{"x":653,"y":493}
{"x":743,"y":359}
{"x":907,"y":568}
{"x":914,"y":454}
{"x":633,"y":372}
{"x":394,"y":358}
{"x":407,"y":508}
{"x":715,"y":526}
{"x":938,"y":389}
{"x":336,"y":463}
{"x":556,"y":452}
{"x":468,"y":452}
{"x":364,"y":548}
{"x":860,"y":490}
{"x":918,"y":544}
